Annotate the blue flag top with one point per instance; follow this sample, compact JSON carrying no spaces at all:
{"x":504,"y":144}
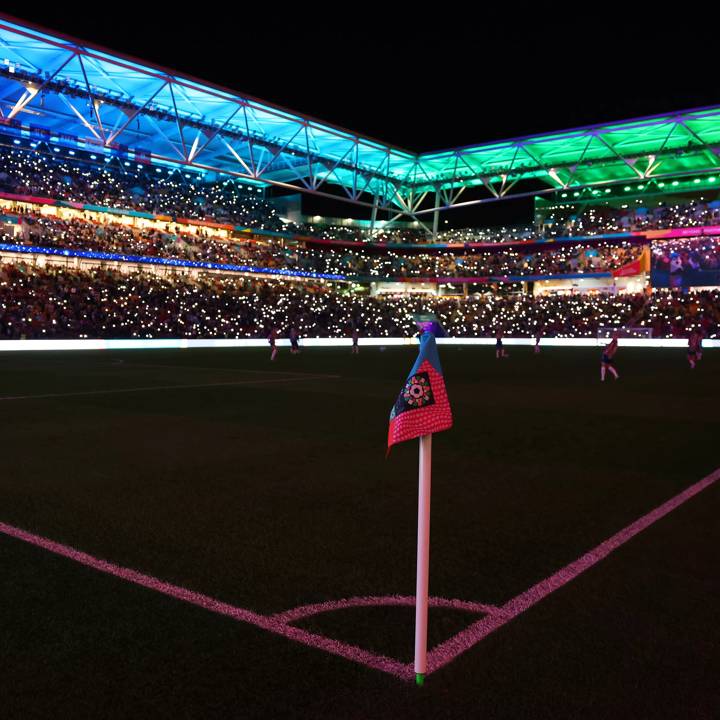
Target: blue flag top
{"x":427,"y":322}
{"x":422,"y":408}
{"x":428,"y":351}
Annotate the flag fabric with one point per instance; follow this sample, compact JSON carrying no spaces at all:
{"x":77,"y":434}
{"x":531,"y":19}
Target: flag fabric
{"x":640,"y":265}
{"x":422,"y":406}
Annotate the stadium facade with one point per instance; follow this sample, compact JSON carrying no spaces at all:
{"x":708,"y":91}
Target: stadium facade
{"x":139,"y":204}
{"x":71,"y":93}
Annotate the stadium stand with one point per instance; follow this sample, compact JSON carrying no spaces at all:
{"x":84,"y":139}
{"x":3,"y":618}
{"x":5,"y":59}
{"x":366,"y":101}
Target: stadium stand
{"x":59,"y":303}
{"x":111,"y":235}
{"x":47,"y":231}
{"x":122,"y":184}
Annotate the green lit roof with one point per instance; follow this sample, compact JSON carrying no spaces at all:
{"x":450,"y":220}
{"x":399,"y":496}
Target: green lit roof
{"x":672,"y":144}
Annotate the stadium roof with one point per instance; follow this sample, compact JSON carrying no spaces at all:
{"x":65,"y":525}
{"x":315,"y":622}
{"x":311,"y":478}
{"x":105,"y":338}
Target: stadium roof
{"x":78,"y":93}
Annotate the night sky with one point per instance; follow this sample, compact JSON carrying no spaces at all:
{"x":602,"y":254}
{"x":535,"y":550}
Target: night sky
{"x":430,"y":83}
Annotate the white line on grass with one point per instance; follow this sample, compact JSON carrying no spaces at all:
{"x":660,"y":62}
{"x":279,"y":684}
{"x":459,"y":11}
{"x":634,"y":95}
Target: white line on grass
{"x":152,"y":388}
{"x":439,"y":656}
{"x":455,"y":646}
{"x":228,"y":369}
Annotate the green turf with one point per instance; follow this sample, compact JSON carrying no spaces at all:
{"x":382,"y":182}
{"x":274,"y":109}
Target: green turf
{"x":270,"y":495}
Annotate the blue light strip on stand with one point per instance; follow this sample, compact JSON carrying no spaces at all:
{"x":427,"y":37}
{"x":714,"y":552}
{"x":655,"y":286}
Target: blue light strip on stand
{"x":173,"y":262}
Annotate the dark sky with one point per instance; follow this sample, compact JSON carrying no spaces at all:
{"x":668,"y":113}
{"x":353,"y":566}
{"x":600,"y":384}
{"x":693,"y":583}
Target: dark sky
{"x":443,"y":79}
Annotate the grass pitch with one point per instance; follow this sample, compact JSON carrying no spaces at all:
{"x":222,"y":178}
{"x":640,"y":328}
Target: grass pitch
{"x":266,"y":486}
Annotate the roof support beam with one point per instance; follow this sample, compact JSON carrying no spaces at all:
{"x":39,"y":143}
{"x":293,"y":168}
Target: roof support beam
{"x":33,"y":91}
{"x":94,"y":103}
{"x":709,"y":151}
{"x":198,"y":121}
{"x":81,"y":118}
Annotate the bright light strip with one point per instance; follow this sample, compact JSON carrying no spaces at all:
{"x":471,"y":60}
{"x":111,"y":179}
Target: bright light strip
{"x":185,"y":343}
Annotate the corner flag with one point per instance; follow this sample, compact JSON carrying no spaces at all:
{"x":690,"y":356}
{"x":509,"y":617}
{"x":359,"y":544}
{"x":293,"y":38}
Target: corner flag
{"x":422,"y":408}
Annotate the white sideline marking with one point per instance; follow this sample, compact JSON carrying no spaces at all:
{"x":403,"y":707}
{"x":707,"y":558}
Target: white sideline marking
{"x":152,"y":388}
{"x":455,"y":646}
{"x":229,"y":369}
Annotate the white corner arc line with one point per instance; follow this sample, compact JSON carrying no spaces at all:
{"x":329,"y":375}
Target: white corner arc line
{"x":439,"y":656}
{"x":305,"y":611}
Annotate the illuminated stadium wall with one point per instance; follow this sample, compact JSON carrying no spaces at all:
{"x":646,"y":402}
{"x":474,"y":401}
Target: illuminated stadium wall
{"x":61,"y":99}
{"x":69,"y":92}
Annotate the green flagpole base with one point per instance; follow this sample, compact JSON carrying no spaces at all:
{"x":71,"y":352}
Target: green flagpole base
{"x":419,"y":679}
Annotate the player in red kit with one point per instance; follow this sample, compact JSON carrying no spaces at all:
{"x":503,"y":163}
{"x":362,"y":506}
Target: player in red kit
{"x":607,"y":361}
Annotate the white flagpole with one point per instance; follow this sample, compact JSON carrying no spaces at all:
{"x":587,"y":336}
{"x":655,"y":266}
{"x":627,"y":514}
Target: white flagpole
{"x":423,"y":558}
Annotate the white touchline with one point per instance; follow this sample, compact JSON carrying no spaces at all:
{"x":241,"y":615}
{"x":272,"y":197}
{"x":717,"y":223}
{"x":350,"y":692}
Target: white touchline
{"x":466,"y":639}
{"x":227,"y":369}
{"x":152,"y":388}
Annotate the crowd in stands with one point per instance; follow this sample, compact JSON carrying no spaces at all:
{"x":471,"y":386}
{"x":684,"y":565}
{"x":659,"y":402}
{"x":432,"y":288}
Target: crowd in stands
{"x":556,"y":259}
{"x":123,"y":184}
{"x":48,"y":231}
{"x":60,"y":303}
{"x":161,"y":190}
{"x":76,"y":234}
{"x":351,"y":233}
{"x":678,"y":255}
{"x":605,"y":219}
{"x":598,"y":220}
{"x":671,"y":313}
{"x":513,"y":233}
{"x":50,"y":302}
